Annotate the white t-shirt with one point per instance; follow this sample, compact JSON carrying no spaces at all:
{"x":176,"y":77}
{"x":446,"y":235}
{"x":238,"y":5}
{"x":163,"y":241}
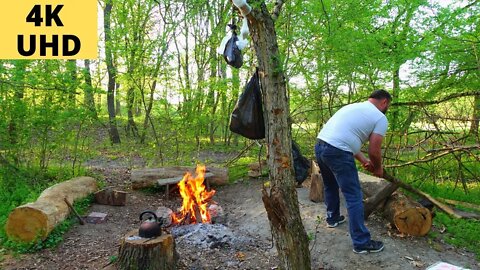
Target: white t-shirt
{"x":351,"y":126}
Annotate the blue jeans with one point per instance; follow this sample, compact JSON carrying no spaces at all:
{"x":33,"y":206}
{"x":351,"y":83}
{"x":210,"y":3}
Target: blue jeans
{"x":338,"y":170}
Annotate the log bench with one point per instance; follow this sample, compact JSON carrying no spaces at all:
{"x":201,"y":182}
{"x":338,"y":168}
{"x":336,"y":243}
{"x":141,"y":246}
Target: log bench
{"x":175,"y":180}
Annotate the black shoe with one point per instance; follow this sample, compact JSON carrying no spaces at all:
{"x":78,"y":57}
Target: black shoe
{"x":370,"y":247}
{"x":335,"y":223}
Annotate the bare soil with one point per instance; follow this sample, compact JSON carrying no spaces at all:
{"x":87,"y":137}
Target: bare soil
{"x":95,"y":246}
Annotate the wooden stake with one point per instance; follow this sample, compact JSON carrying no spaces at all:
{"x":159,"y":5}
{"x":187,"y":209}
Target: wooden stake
{"x":80,"y":219}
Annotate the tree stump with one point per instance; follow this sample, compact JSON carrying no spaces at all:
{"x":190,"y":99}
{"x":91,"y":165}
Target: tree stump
{"x":407,"y":215}
{"x":148,"y":254}
{"x":316,"y":186}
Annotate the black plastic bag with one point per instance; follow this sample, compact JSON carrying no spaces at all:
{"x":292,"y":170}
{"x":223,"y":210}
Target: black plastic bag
{"x":300,"y":163}
{"x":232,"y":53}
{"x":247,"y":116}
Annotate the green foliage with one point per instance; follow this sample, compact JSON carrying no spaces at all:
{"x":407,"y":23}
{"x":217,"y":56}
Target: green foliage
{"x":113,"y":259}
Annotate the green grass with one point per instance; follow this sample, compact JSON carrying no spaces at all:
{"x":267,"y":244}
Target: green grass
{"x":459,"y":232}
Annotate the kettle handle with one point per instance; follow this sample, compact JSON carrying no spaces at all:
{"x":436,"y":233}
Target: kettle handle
{"x":149,"y":212}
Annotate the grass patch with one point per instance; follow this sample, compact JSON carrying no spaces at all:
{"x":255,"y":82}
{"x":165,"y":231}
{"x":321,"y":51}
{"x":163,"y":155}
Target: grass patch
{"x":460,"y":232}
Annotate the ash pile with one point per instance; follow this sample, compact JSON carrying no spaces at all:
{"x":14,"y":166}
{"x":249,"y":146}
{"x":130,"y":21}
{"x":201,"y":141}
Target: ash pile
{"x":208,"y":236}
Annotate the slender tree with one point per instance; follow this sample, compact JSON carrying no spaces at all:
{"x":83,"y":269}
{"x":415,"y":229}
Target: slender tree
{"x":281,"y":200}
{"x":111,"y":70}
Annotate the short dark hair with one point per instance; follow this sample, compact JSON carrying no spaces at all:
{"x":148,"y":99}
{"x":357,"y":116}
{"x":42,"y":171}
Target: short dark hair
{"x":380,"y":94}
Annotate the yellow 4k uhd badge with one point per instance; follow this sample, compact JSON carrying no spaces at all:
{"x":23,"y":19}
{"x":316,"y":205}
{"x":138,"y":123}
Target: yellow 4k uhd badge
{"x":43,"y":29}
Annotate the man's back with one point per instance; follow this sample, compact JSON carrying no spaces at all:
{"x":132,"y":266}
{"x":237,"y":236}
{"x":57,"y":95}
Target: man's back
{"x":352,"y":125}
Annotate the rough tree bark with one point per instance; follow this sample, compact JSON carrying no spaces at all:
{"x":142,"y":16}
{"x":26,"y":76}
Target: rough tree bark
{"x":281,"y":202}
{"x":154,"y":253}
{"x":113,"y":131}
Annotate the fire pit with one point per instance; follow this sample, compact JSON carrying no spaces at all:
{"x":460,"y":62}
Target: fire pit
{"x":195,"y":197}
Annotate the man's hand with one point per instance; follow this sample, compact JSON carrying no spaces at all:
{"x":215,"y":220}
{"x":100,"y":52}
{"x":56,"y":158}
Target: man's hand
{"x":368,"y":166}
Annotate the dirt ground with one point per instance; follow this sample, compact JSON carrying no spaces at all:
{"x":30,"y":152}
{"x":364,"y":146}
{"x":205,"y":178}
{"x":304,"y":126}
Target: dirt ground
{"x":95,"y":246}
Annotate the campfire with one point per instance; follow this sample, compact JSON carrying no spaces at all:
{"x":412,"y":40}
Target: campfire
{"x":195,"y":199}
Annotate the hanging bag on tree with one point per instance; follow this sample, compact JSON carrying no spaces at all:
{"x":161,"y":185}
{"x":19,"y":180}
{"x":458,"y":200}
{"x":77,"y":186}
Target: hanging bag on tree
{"x":247,"y":116}
{"x":232,"y":53}
{"x":301,"y":164}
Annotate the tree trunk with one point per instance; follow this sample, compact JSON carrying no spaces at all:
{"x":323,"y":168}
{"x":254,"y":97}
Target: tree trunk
{"x":113,"y":131}
{"x":149,"y":254}
{"x":37,"y":219}
{"x":475,"y":117}
{"x":89,"y":100}
{"x":71,"y":82}
{"x":281,"y":202}
{"x":118,"y":99}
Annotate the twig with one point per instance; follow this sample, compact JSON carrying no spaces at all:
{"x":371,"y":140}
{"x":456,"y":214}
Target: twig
{"x":80,"y":219}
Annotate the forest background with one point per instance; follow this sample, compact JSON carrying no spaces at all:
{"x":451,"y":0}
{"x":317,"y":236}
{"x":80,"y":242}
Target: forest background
{"x":159,"y":92}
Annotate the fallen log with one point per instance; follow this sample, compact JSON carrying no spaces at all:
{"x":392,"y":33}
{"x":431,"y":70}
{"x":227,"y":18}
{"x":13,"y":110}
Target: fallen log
{"x":408,"y":216}
{"x":153,"y":253}
{"x":316,"y":185}
{"x":438,"y":204}
{"x":143,"y":178}
{"x":37,"y":219}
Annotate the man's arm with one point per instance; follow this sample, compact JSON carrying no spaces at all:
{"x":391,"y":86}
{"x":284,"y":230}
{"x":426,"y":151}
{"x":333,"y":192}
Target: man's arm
{"x":375,"y":153}
{"x":366,"y":164}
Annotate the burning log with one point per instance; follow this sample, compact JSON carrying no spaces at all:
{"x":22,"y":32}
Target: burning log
{"x":195,"y":199}
{"x":37,"y":219}
{"x":141,"y":253}
{"x":143,"y":178}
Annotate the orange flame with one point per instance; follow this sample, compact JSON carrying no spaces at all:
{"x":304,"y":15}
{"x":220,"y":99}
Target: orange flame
{"x":195,"y":198}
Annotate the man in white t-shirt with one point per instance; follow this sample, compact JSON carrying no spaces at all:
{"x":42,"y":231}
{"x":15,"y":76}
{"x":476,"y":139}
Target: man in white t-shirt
{"x":338,"y":143}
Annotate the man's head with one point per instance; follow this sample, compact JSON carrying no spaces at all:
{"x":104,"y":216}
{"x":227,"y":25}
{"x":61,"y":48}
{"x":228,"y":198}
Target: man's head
{"x":381,"y":99}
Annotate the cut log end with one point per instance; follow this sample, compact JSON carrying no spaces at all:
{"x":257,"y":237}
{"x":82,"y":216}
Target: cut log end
{"x":414,"y":221}
{"x":27,"y":224}
{"x":408,"y":216}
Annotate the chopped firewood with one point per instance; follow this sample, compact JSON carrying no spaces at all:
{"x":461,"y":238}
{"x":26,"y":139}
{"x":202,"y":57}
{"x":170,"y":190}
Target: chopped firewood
{"x":316,"y":185}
